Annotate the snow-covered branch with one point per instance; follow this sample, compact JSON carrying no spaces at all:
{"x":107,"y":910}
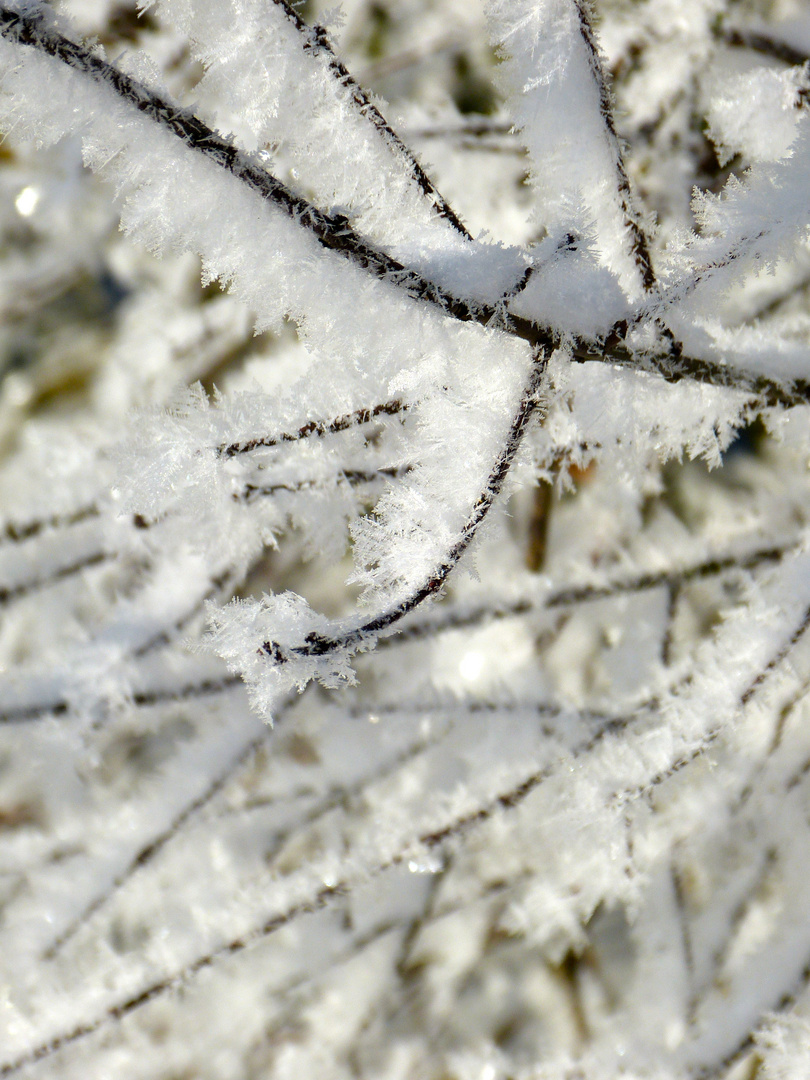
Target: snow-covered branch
{"x":462,"y":436}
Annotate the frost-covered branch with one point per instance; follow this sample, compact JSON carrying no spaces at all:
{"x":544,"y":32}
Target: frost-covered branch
{"x":493,"y":498}
{"x":315,"y":39}
{"x":335,"y":233}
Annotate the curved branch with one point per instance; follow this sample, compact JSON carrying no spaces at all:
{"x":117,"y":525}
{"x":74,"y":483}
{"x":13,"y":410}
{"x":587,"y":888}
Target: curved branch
{"x":320,"y":645}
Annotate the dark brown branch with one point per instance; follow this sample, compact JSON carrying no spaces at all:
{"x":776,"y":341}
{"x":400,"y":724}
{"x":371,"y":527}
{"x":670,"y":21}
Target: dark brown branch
{"x":683,"y":922}
{"x":753,"y":688}
{"x":786,"y":1001}
{"x":764,"y":45}
{"x":674,"y":367}
{"x":673,"y":597}
{"x":14,"y":592}
{"x":320,"y":645}
{"x":777,"y":659}
{"x":141,"y":699}
{"x":639,"y":244}
{"x":332,"y":231}
{"x":353,"y":477}
{"x":470,"y":707}
{"x":703,"y":569}
{"x":317,"y":428}
{"x":561,"y":597}
{"x":477,"y":129}
{"x":316,"y":40}
{"x":148,"y":852}
{"x":129,"y":1005}
{"x":16,"y":532}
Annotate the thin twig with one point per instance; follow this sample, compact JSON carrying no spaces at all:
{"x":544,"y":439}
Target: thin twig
{"x":639,"y":243}
{"x":321,"y":645}
{"x":15,"y":592}
{"x":153,"y":847}
{"x":140,"y":699}
{"x":352,"y":477}
{"x":785,"y":1001}
{"x":316,"y":428}
{"x":764,"y":45}
{"x":317,"y":41}
{"x":17,"y":532}
{"x":332,"y":231}
{"x":570,"y":595}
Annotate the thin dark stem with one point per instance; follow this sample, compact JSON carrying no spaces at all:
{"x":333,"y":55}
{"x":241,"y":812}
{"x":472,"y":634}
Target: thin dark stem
{"x":15,"y":592}
{"x":332,"y":231}
{"x":148,"y":852}
{"x":140,"y":699}
{"x":123,"y":1009}
{"x":569,"y":595}
{"x":734,"y":920}
{"x":639,"y":243}
{"x":317,"y":428}
{"x":476,"y":129}
{"x":353,"y":477}
{"x":672,"y":578}
{"x":563,"y":596}
{"x":674,"y":367}
{"x":317,"y":41}
{"x":777,"y":659}
{"x":754,"y":687}
{"x":673,"y":597}
{"x":17,"y":532}
{"x":321,"y":645}
{"x":786,"y":1001}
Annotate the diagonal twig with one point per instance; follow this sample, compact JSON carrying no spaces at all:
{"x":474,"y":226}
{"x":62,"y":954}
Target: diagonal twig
{"x":316,"y":40}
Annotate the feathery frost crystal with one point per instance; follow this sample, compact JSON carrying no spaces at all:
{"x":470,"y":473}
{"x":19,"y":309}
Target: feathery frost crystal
{"x":404,"y":560}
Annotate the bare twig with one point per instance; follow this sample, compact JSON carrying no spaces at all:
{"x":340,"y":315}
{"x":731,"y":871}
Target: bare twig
{"x":763,"y":44}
